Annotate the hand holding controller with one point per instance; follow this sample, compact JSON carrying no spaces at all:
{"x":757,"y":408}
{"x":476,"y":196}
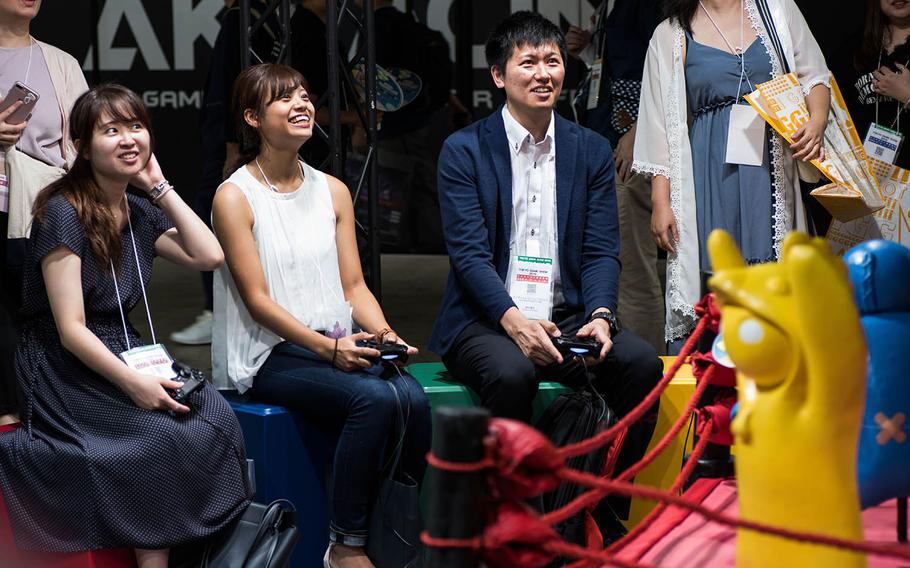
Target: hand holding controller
{"x":192,"y":379}
{"x":393,"y":352}
{"x":572,"y":345}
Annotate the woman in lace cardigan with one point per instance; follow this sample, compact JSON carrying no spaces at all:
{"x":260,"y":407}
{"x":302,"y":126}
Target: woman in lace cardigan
{"x":697,"y":57}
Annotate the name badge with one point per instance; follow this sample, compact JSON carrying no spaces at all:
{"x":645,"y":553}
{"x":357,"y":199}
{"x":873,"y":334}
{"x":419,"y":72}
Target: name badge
{"x":745,"y":136}
{"x":883,"y":143}
{"x":150,"y":360}
{"x":531,"y":286}
{"x":594,"y":85}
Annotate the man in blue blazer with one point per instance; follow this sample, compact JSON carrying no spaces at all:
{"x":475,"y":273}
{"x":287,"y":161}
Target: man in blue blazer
{"x":530,"y":222}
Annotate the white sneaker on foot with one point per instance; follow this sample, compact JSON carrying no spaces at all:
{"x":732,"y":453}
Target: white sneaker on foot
{"x":198,"y":333}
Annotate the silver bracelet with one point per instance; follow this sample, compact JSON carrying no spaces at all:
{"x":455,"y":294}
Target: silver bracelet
{"x":162,"y":193}
{"x":158,"y":189}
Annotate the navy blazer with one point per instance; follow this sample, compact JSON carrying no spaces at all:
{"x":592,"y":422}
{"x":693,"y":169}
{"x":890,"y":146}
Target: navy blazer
{"x":475,"y":197}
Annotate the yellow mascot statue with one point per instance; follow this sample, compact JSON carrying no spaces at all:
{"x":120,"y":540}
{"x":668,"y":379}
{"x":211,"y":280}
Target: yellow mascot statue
{"x":794,"y":333}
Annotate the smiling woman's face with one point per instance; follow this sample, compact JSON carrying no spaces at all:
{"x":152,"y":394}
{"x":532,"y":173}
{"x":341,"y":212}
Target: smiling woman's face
{"x":19,"y":9}
{"x":896,"y":10}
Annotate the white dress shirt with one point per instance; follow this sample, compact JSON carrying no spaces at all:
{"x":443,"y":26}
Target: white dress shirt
{"x":534,"y":231}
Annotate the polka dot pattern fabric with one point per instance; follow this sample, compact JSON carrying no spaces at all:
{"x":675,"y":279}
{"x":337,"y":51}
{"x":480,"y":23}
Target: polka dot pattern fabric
{"x":625,"y":94}
{"x":89,"y":469}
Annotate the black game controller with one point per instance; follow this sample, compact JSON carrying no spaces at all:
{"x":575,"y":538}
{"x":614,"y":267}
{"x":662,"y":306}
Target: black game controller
{"x":572,"y":345}
{"x":387,"y":351}
{"x":192,"y":379}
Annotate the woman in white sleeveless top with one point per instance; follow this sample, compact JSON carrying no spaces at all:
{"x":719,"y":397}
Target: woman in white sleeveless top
{"x":289,"y":295}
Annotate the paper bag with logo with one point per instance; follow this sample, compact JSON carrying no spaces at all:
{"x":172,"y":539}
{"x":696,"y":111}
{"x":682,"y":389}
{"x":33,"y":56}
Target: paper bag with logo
{"x":854,"y":190}
{"x":890,"y":222}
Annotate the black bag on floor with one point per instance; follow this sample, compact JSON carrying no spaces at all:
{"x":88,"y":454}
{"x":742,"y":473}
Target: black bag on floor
{"x":263,"y":537}
{"x":571,"y":418}
{"x":393,"y":540}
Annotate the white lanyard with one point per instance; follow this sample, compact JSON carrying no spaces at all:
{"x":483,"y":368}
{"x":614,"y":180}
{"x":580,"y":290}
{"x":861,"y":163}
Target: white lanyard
{"x":737,"y":52}
{"x":28,"y":66}
{"x":141,"y":287}
{"x":900,"y":105}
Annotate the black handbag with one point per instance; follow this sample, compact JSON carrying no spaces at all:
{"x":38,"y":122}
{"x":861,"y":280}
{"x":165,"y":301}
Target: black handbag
{"x":263,"y":537}
{"x":393,"y":540}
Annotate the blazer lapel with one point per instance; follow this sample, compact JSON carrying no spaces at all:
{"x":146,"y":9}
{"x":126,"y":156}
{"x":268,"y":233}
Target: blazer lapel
{"x":566,"y":157}
{"x":498,"y":145}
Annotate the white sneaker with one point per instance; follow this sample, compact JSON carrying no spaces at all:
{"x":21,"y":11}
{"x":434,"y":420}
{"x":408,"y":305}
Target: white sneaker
{"x":198,"y":333}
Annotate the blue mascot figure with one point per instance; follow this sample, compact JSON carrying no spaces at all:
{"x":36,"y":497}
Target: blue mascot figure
{"x":880,"y":272}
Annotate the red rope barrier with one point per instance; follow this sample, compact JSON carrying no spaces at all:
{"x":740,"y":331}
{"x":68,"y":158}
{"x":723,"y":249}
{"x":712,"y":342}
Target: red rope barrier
{"x":596,"y":495}
{"x":681,"y":479}
{"x":475,"y":543}
{"x":594,"y":442}
{"x":562,"y":514}
{"x":601,"y":557}
{"x":459,"y":467}
{"x":625,"y":488}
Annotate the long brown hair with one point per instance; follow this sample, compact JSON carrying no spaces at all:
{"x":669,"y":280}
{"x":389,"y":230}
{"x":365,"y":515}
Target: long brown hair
{"x":78,"y":185}
{"x":255,"y":88}
{"x":873,"y":36}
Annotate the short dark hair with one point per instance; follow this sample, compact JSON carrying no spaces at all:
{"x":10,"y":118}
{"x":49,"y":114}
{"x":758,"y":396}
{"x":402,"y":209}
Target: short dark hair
{"x":518,"y":30}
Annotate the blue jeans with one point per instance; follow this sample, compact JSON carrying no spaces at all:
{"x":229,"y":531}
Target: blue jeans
{"x":359,"y":406}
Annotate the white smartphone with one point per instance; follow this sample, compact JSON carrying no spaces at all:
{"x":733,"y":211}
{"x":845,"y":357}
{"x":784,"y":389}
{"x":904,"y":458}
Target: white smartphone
{"x":19,"y":92}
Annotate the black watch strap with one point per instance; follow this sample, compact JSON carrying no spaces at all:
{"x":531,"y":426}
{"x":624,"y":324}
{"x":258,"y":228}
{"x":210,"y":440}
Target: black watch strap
{"x":610,"y":318}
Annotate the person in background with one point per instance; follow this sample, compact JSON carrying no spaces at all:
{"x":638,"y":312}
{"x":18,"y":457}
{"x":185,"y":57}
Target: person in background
{"x":32,"y":153}
{"x":616,"y":48}
{"x":106,"y":458}
{"x":219,"y":140}
{"x":289,"y":295}
{"x":873,"y":73}
{"x":411,"y":137}
{"x":710,"y":171}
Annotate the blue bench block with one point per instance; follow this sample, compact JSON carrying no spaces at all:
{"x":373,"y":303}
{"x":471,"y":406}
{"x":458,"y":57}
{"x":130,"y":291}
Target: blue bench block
{"x":292,"y":460}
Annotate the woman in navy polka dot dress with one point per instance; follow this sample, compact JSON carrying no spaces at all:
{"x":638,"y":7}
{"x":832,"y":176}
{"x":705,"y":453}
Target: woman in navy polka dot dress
{"x":105,"y":457}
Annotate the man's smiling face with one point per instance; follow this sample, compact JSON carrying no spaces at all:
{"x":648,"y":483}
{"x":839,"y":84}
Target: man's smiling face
{"x":532,"y":77}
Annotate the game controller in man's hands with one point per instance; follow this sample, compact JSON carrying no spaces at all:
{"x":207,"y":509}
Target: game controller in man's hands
{"x":572,"y":345}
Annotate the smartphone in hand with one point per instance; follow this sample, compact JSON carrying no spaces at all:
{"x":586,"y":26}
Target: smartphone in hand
{"x":19,"y":92}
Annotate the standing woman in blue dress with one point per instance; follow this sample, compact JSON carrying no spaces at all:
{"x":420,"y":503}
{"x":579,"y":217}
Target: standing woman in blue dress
{"x":287,"y":299}
{"x":700,"y":63}
{"x":105,"y":458}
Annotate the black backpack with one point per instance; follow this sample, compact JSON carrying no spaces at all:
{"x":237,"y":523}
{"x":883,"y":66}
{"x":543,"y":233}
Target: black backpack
{"x":571,"y":418}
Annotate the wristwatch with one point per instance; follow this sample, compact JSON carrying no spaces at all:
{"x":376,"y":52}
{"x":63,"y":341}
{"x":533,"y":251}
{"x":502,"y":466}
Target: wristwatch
{"x":611,"y":319}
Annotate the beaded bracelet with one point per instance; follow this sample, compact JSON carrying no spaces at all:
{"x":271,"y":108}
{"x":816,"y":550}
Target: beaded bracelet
{"x":335,"y":352}
{"x":382,"y":333}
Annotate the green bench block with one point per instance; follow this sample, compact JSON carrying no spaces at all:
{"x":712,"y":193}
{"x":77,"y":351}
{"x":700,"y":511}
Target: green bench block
{"x":442,"y":390}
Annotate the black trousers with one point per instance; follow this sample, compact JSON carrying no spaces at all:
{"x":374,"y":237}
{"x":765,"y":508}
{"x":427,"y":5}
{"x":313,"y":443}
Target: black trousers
{"x":485,"y":359}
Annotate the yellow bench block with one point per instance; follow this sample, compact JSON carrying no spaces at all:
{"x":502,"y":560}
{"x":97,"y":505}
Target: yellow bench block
{"x":663,"y":471}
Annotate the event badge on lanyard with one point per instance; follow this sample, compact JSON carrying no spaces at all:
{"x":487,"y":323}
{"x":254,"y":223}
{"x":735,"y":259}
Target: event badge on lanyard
{"x":746,"y":129}
{"x":882,"y":143}
{"x":146,"y":359}
{"x":531,"y":286}
{"x":745,"y":136}
{"x":594,"y":86}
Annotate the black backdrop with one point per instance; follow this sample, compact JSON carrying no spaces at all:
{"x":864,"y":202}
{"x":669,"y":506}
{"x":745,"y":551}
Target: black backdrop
{"x":160,"y":48}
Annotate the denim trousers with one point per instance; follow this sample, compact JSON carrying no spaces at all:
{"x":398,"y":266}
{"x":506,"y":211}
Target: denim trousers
{"x":361,"y":408}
